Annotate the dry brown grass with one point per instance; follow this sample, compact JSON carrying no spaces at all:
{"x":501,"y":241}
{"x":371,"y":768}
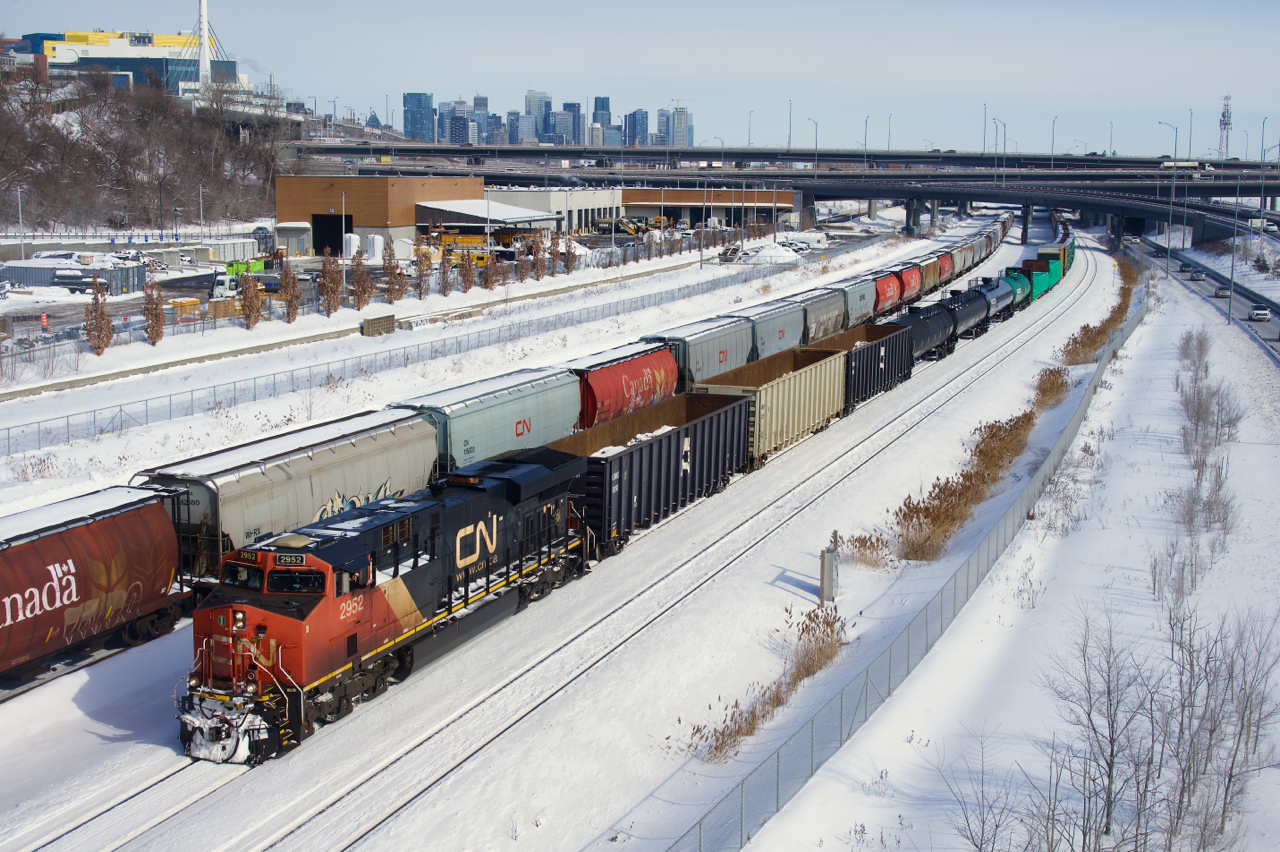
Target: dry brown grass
{"x":819,"y":636}
{"x":924,"y":526}
{"x":871,"y":550}
{"x":1083,"y":346}
{"x":1052,"y":385}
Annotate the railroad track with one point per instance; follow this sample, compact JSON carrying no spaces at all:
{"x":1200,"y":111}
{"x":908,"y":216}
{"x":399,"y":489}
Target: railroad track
{"x":372,"y":800}
{"x":375,"y":797}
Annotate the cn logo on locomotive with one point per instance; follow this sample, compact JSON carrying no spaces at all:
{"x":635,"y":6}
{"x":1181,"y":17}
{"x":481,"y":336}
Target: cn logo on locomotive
{"x":523,"y":427}
{"x":490,"y":536}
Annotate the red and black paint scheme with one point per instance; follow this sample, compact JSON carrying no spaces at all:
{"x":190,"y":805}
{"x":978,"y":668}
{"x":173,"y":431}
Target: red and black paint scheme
{"x":304,"y":624}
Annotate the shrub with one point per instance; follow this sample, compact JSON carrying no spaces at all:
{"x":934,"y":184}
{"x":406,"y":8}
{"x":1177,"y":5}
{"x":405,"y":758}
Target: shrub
{"x":250,"y":301}
{"x":361,"y":284}
{"x":467,"y":273}
{"x":1083,"y":346}
{"x":153,"y":310}
{"x":330,"y":284}
{"x":1052,"y":385}
{"x":97,"y":325}
{"x":289,"y":292}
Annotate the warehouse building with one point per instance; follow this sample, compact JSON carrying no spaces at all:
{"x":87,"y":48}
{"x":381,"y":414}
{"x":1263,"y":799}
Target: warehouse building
{"x":730,"y":205}
{"x":576,"y":210}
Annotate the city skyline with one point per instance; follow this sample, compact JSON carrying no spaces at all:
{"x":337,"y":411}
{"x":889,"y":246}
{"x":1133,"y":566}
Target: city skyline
{"x":1105,"y":67}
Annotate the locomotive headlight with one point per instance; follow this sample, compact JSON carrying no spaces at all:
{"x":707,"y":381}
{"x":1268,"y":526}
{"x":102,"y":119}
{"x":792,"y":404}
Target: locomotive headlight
{"x":193,"y":681}
{"x":237,"y":619}
{"x":251,"y":688}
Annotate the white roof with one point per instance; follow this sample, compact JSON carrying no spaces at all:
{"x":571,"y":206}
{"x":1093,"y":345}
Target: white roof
{"x":693,"y":329}
{"x":765,"y":309}
{"x":487,"y":387}
{"x":495,"y":211}
{"x":264,"y":452}
{"x":294,"y":225}
{"x":618,"y":353}
{"x":68,"y":512}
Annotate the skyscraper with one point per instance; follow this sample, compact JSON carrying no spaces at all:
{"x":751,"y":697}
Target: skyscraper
{"x":537,"y":104}
{"x":418,"y":120}
{"x":528,"y":128}
{"x":678,"y":132}
{"x":663,"y":129}
{"x":600,"y":113}
{"x":636,"y":128}
{"x":577,"y":134}
{"x":480,"y":115}
{"x":513,"y":127}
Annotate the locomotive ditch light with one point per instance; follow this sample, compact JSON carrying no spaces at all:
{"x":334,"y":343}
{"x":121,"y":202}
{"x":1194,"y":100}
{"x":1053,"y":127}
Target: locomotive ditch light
{"x":250,"y":688}
{"x":193,"y":681}
{"x":237,"y":620}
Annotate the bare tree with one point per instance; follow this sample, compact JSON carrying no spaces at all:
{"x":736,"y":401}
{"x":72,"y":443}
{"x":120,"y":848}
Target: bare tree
{"x":446,"y":279}
{"x":986,"y":798}
{"x":421,"y":267}
{"x":330,"y":284}
{"x":250,"y":301}
{"x":570,"y":258}
{"x":361,"y":284}
{"x":290,"y":294}
{"x":97,"y":325}
{"x":522,"y":265}
{"x":153,"y":310}
{"x":539,"y":259}
{"x":555,"y":252}
{"x":397,"y":283}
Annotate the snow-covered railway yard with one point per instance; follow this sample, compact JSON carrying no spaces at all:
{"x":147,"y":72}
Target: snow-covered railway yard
{"x":589,"y":737}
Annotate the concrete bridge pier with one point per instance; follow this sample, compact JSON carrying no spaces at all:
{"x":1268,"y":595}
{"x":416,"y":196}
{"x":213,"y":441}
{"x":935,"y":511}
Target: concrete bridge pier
{"x":1161,"y":227}
{"x":873,"y":208}
{"x":1026,"y":222}
{"x":933,"y":213}
{"x":912,"y":209}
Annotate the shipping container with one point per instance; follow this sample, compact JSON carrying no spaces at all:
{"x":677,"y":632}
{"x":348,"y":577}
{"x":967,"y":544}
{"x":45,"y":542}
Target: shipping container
{"x":1055,"y":270}
{"x":879,"y":357}
{"x":928,"y":275}
{"x":83,"y":568}
{"x":775,"y":326}
{"x":968,"y":312}
{"x":909,"y":275}
{"x":515,"y":411}
{"x":793,"y":394}
{"x":646,"y":465}
{"x":946,"y":268}
{"x":824,"y":313}
{"x":999,"y":296}
{"x":283,"y":482}
{"x":930,"y":328}
{"x":888,"y":292}
{"x":859,"y":299}
{"x":706,"y":348}
{"x":622,"y":380}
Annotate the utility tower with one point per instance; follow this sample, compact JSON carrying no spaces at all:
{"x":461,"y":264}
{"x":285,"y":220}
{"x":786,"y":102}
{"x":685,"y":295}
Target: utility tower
{"x":1224,"y":129}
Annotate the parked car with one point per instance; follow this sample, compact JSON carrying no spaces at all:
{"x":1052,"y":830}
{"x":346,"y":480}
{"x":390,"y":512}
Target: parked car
{"x":1197,"y":276}
{"x":1222,"y":292}
{"x":1260,"y":313}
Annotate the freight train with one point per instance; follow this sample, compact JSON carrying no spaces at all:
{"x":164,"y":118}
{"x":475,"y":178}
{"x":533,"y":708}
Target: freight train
{"x":307,"y":621}
{"x":220,"y":502}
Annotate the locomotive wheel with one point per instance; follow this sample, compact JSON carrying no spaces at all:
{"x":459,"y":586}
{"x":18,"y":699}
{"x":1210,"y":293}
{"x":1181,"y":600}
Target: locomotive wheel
{"x":344,"y":709}
{"x":404,"y":664}
{"x":379,"y":687}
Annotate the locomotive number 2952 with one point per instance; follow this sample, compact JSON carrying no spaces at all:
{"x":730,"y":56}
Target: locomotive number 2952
{"x":349,"y":608}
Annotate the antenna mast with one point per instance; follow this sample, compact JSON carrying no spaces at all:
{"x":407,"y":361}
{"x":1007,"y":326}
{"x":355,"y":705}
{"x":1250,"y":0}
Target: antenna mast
{"x":1224,"y":130}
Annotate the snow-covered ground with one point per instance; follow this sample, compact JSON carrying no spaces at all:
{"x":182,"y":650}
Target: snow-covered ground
{"x":34,"y":478}
{"x":984,"y":674}
{"x":684,"y":617}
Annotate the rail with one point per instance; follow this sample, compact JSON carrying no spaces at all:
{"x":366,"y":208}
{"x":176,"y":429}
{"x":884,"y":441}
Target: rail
{"x":738,"y":816}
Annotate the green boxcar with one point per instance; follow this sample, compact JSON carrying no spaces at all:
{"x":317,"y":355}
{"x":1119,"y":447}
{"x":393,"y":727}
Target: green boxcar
{"x":1040,"y":284}
{"x":1055,"y":271}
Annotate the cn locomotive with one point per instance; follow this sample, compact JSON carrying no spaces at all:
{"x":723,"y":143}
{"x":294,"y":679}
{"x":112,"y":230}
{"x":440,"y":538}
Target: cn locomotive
{"x":304,"y":623}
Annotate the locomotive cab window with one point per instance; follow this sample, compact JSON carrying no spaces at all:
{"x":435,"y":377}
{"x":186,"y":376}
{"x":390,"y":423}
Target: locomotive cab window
{"x":350,"y":576}
{"x":296,"y":582}
{"x":242,"y":576}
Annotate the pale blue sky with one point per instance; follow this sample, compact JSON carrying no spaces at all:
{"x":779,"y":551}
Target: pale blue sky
{"x":930,"y":64}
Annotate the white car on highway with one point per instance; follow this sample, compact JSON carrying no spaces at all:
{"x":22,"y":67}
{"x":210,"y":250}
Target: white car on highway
{"x":1260,"y":313}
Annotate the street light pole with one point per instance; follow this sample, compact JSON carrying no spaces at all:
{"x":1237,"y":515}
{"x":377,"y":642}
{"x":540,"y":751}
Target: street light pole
{"x":888,"y":142}
{"x":22,"y":246}
{"x":995,"y":154}
{"x":1262,"y":167}
{"x":1173,"y":188}
{"x":1235,"y":218}
{"x":749,"y":114}
{"x":984,"y":130}
{"x":1111,"y":140}
{"x":815,"y":148}
{"x":865,"y":122}
{"x":1053,"y":133}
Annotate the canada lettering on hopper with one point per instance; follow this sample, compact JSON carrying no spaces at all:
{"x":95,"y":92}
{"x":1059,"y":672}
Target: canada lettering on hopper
{"x":29,"y":604}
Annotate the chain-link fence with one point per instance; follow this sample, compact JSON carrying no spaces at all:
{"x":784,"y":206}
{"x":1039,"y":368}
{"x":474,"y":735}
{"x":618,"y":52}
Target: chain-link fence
{"x":737,"y":817}
{"x":118,"y":418}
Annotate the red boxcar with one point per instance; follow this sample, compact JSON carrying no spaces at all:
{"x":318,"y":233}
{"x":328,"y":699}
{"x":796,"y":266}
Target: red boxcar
{"x":944,"y":268}
{"x":622,"y":380}
{"x":911,"y":281}
{"x":84,"y":568}
{"x":888,"y":292}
